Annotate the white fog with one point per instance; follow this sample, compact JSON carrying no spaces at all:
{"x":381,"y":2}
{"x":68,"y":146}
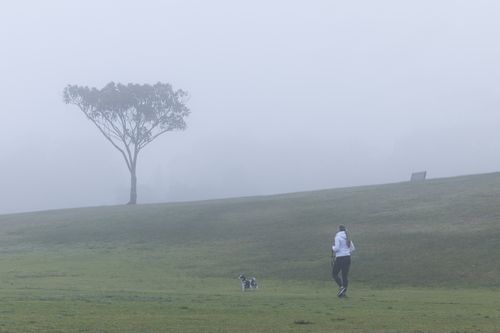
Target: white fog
{"x":285,"y":96}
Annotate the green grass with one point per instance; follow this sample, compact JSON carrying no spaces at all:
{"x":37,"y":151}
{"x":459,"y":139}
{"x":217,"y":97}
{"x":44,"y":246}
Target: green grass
{"x":215,"y":306}
{"x":427,"y":260}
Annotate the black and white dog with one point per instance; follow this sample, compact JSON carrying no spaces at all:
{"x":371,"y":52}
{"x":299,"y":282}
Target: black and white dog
{"x":248,"y":283}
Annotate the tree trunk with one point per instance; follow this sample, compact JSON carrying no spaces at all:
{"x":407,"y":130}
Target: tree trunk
{"x":133,"y":188}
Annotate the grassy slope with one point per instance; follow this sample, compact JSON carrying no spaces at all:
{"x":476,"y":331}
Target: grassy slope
{"x":439,"y":233}
{"x":173,"y":267}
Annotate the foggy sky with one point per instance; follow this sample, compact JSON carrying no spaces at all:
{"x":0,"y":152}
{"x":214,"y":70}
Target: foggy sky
{"x":285,"y":95}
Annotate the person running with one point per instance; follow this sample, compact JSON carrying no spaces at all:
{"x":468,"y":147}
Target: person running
{"x":341,"y":254}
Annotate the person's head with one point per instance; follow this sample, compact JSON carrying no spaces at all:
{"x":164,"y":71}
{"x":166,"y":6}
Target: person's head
{"x":344,"y":229}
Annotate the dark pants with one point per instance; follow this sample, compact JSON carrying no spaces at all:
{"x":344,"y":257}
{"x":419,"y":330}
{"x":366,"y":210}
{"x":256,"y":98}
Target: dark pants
{"x":341,"y":265}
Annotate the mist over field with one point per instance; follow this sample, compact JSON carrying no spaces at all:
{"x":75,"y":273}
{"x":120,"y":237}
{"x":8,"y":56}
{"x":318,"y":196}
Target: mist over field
{"x":285,"y":96}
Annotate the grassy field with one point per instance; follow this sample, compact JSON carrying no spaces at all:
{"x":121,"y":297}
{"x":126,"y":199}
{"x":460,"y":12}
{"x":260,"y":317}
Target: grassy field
{"x":427,"y":260}
{"x":275,"y":308}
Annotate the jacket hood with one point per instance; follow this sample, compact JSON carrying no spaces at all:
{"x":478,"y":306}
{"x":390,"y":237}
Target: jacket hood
{"x":342,"y":234}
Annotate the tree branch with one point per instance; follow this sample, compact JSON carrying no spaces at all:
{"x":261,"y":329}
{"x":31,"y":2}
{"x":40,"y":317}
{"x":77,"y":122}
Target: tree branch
{"x":106,"y":136}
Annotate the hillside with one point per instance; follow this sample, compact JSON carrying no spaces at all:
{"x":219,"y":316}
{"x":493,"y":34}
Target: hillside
{"x":442,"y":232}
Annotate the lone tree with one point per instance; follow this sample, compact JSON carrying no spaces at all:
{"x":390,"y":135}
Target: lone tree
{"x":131,"y":116}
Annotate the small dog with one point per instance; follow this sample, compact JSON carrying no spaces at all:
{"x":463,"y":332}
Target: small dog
{"x":248,"y":283}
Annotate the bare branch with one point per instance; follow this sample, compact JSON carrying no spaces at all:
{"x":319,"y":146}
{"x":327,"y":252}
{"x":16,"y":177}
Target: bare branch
{"x":106,"y":136}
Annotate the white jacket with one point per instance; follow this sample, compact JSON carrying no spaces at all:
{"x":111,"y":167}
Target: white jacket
{"x":340,"y":247}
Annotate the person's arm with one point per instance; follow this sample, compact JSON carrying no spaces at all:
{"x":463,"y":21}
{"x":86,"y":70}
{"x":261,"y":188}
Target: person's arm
{"x":335,"y":246}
